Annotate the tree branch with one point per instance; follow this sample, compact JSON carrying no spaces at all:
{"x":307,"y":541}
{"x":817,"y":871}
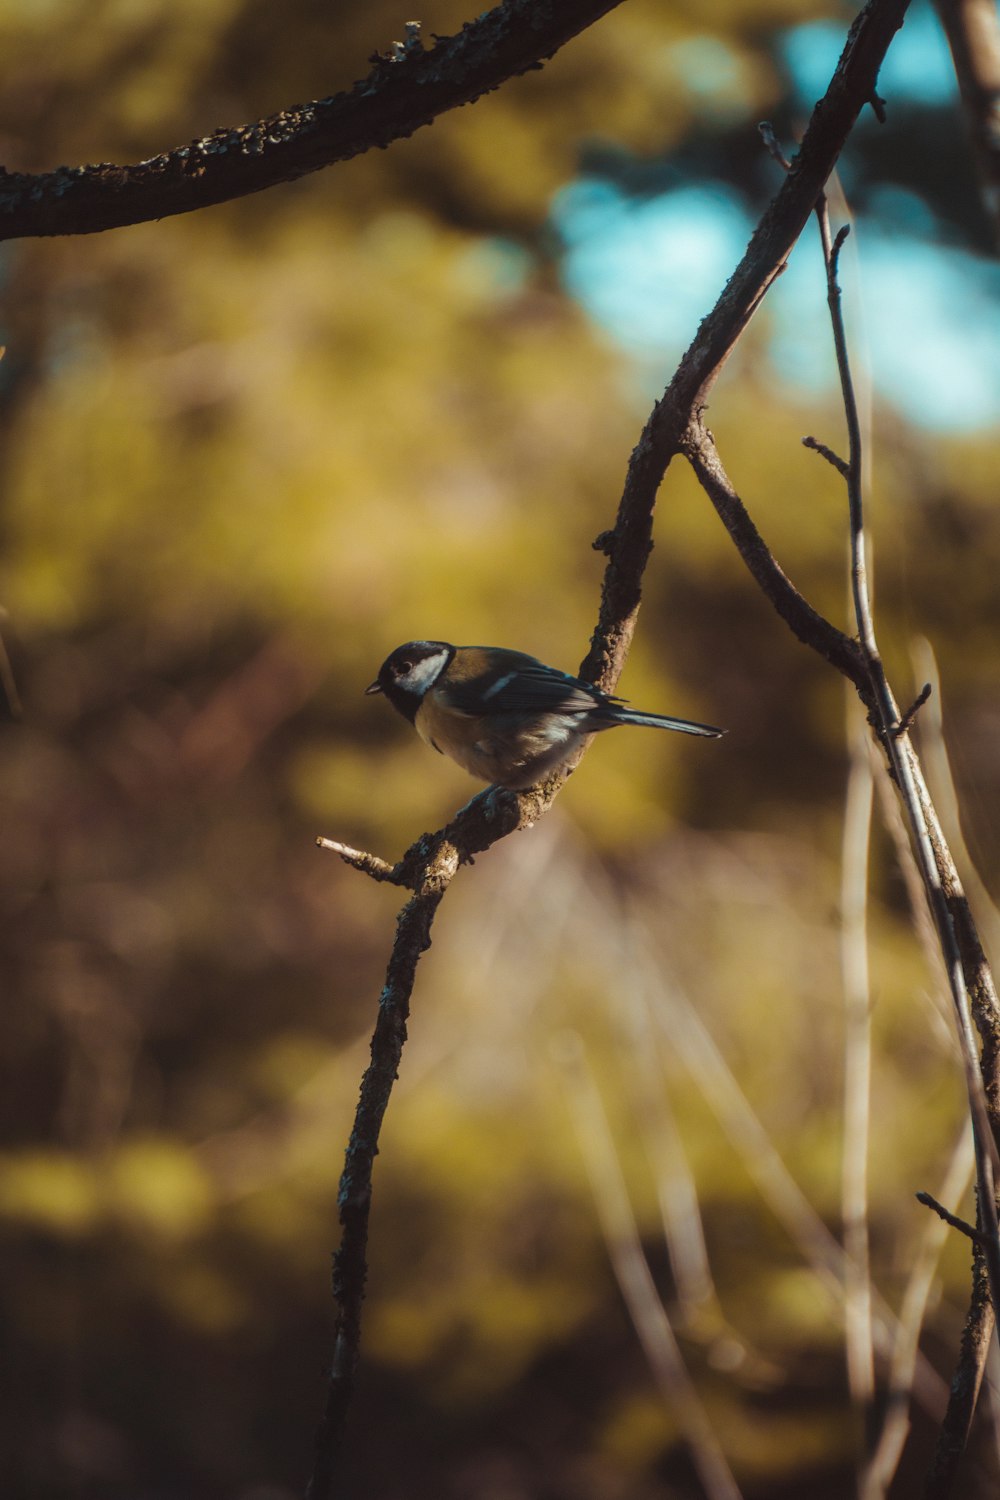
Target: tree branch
{"x":428,"y":868}
{"x":629,"y":544}
{"x":937,"y":867}
{"x":968,"y":972}
{"x":405,"y":90}
{"x":432,"y":863}
{"x":929,"y":1201}
{"x":812,"y":628}
{"x":966,"y":1381}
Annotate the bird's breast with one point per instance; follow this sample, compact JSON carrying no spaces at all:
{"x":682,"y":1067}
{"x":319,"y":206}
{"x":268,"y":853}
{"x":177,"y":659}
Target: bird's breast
{"x":512,"y":750}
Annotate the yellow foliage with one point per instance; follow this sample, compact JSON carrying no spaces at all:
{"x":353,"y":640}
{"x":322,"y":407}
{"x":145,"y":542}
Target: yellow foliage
{"x":154,"y":1185}
{"x":638,"y":1430}
{"x":54,"y":1191}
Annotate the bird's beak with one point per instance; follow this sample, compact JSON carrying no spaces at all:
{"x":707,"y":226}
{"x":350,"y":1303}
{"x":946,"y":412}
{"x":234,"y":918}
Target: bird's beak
{"x":373,"y":688}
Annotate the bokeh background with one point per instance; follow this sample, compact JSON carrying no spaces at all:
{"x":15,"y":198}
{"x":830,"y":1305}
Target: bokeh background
{"x":243,"y":454}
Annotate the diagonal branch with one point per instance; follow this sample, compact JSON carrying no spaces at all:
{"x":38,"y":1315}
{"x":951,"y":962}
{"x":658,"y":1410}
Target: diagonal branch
{"x":812,"y":628}
{"x":405,"y":90}
{"x":628,"y":546}
{"x":428,"y":869}
{"x":977,"y":1336}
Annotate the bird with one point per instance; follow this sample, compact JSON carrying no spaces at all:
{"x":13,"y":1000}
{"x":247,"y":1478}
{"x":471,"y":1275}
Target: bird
{"x":502,"y":715}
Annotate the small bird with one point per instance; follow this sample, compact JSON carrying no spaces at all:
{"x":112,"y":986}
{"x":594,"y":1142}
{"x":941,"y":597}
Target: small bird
{"x":503,"y":716}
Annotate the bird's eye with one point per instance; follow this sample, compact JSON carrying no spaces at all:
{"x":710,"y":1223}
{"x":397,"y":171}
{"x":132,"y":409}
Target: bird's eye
{"x":403,"y":667}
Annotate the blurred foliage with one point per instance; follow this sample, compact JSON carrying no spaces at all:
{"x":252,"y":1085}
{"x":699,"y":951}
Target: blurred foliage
{"x":244,"y":454}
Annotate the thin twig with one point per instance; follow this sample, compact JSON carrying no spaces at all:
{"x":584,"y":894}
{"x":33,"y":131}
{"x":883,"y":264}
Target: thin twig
{"x":770,"y":140}
{"x":827,"y":453}
{"x":698,"y":446}
{"x":968,"y":974}
{"x":967,"y":970}
{"x":369,"y":864}
{"x":949,"y":1218}
{"x":908,"y":719}
{"x":429,"y":867}
{"x":910,"y":783}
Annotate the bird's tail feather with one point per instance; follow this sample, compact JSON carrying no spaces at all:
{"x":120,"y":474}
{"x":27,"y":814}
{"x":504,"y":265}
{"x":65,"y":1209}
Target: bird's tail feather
{"x":662,"y":721}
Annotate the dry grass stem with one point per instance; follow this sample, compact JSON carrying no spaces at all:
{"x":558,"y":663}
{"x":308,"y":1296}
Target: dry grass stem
{"x":857,"y":1065}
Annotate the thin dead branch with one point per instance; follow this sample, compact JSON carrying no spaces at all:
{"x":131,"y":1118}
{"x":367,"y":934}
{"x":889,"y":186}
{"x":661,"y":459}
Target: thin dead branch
{"x":969,"y":979}
{"x":698,"y":446}
{"x":966,"y":1382}
{"x":933,"y":855}
{"x":949,"y":1218}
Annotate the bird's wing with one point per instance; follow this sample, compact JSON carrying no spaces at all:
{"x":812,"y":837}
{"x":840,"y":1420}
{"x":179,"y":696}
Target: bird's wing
{"x":529,"y":687}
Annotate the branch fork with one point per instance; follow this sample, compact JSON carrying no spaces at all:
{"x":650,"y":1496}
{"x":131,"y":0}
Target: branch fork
{"x":676,"y":426}
{"x":482,"y":822}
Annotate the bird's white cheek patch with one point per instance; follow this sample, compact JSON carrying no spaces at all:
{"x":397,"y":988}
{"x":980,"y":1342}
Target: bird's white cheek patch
{"x":423,"y":674}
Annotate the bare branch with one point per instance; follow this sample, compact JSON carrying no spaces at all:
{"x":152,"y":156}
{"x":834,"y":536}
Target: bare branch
{"x":428,"y":868}
{"x":431,"y":864}
{"x":949,"y":1218}
{"x":968,"y":1377}
{"x":405,"y":90}
{"x":664,"y":434}
{"x":968,"y":973}
{"x":767,"y":135}
{"x":933,"y":855}
{"x":827,"y":453}
{"x":358,"y":859}
{"x":811,"y":627}
{"x":908,"y":719}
